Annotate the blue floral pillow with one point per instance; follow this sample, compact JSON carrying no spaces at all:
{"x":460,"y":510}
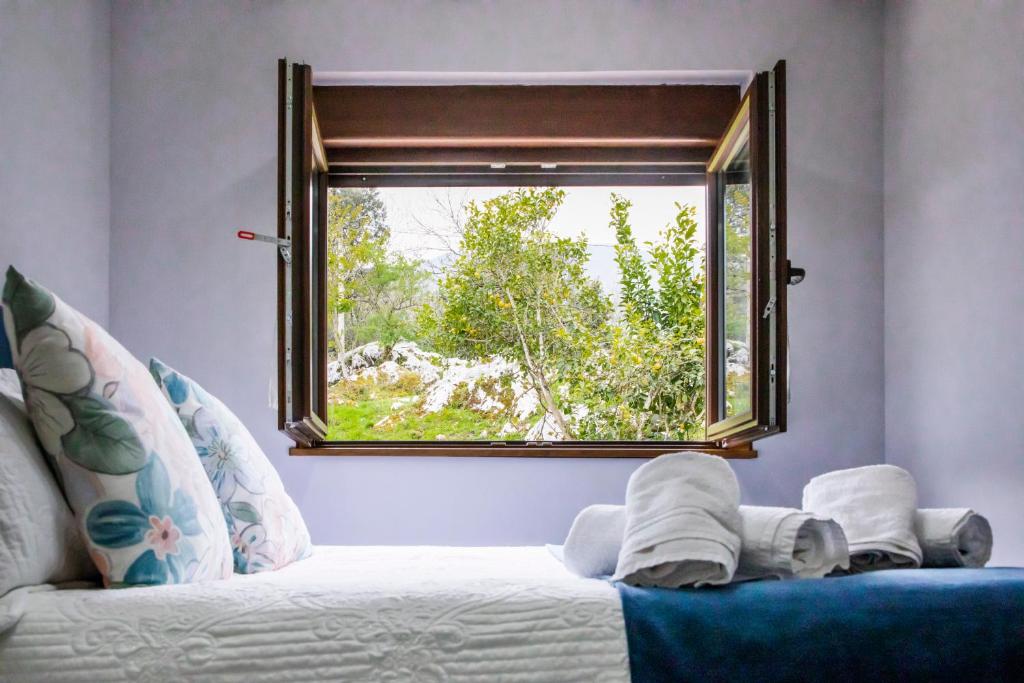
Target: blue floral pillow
{"x":126,"y":465}
{"x":267,"y":529}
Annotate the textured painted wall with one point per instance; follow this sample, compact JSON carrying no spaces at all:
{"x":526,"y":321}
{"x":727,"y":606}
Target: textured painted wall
{"x":193,"y":159}
{"x":954,"y":256}
{"x":55,"y":147}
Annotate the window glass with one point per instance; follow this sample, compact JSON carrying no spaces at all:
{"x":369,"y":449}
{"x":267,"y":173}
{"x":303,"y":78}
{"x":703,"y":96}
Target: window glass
{"x":315,"y":285}
{"x":737,"y":252}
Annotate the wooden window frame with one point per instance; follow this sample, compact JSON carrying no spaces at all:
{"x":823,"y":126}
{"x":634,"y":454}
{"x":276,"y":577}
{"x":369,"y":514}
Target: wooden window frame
{"x":428,"y":136}
{"x":302,"y":224}
{"x":760,"y":122}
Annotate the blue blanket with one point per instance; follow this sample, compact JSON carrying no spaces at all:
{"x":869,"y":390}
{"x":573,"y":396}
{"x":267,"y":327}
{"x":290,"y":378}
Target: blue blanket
{"x":897,"y":625}
{"x":5,"y":350}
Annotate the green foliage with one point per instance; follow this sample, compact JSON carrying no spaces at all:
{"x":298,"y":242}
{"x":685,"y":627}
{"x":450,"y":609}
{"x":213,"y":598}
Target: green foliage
{"x":519,"y":291}
{"x":638,"y":297}
{"x":737,"y":262}
{"x":369,"y":415}
{"x":385,"y":299}
{"x":737,"y":293}
{"x":372,"y":292}
{"x":643,"y":378}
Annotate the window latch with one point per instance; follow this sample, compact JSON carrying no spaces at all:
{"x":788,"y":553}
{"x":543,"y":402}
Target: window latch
{"x":284,"y":246}
{"x":794,"y":276}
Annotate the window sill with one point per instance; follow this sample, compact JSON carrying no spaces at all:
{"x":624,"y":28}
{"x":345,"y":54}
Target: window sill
{"x":519,"y":450}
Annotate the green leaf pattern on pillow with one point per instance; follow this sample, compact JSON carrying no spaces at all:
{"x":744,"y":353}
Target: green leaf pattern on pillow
{"x":267,"y":530}
{"x":125,"y":463}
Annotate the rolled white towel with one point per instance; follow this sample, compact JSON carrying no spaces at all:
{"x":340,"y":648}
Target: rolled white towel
{"x":953,"y":537}
{"x":875,"y":506}
{"x":592,"y":547}
{"x":788,"y":543}
{"x":682,"y":523}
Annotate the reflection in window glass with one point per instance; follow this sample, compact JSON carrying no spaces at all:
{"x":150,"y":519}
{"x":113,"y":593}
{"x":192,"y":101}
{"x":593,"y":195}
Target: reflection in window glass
{"x":738,"y":257}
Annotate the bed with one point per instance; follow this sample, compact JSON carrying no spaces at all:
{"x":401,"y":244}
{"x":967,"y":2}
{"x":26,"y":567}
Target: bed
{"x":516,"y":614}
{"x":344,"y":614}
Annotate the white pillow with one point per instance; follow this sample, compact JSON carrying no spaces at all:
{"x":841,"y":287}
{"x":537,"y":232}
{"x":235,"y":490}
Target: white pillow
{"x":39,"y":538}
{"x":123,"y":460}
{"x":10,"y":388}
{"x":266,"y":527}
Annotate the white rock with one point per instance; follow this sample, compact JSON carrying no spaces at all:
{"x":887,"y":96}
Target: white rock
{"x":404,"y":401}
{"x":737,"y":357}
{"x":334,"y":372}
{"x":414,"y":359}
{"x":458,"y":372}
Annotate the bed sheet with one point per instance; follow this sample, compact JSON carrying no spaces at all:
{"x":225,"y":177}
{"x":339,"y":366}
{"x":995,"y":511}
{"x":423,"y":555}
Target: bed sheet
{"x":346,"y":613}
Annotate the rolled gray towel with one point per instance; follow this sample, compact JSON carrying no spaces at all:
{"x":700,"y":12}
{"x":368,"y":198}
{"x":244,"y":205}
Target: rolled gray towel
{"x":953,"y":537}
{"x":682,"y":523}
{"x":592,"y":547}
{"x":786,"y":543}
{"x":875,"y":506}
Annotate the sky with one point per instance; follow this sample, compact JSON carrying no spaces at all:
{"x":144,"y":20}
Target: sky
{"x":420,"y":226}
{"x":585,"y":211}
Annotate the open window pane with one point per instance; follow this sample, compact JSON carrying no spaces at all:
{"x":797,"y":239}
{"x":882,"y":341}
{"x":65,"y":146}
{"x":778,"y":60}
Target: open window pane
{"x":516,"y":314}
{"x":302,"y":196}
{"x":747,"y":281}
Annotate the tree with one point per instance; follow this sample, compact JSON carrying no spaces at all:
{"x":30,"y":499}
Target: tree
{"x":738,"y":273}
{"x":737,"y":262}
{"x":643,"y":377}
{"x":517,"y":290}
{"x":357,"y":238}
{"x":384,"y":299}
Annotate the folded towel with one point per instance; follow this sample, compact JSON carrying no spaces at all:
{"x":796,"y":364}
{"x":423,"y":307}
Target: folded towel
{"x":953,"y":537}
{"x":787,"y":543}
{"x":875,"y":506}
{"x":682,"y":523}
{"x":592,"y":547}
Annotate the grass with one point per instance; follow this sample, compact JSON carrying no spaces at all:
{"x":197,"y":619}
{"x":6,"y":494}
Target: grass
{"x":376,"y":412}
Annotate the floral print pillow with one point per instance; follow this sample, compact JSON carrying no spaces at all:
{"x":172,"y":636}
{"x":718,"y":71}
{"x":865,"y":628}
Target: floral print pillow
{"x":144,"y":506}
{"x":267,"y":529}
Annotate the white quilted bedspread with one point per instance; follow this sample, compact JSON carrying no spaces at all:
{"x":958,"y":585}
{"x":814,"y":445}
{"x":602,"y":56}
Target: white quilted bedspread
{"x":345,"y":614}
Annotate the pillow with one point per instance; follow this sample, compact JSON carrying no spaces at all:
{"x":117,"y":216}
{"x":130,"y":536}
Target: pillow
{"x":10,"y":388}
{"x":267,"y":530}
{"x":125,"y":463}
{"x":39,"y":539}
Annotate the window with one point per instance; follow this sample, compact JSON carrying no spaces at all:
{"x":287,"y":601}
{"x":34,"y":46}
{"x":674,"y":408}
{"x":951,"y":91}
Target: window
{"x":502,"y":270}
{"x":748,"y":271}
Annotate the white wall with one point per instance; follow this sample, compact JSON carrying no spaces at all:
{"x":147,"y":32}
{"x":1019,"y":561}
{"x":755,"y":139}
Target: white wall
{"x":55,"y":147}
{"x":193,"y":160}
{"x":954,"y":256}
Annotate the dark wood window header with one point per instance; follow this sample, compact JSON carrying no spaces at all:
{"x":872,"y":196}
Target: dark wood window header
{"x":523,"y":124}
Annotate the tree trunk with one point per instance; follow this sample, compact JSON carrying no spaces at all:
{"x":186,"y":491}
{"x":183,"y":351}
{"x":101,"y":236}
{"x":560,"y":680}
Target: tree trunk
{"x":548,"y":401}
{"x":536,"y":373}
{"x":339,"y":336}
